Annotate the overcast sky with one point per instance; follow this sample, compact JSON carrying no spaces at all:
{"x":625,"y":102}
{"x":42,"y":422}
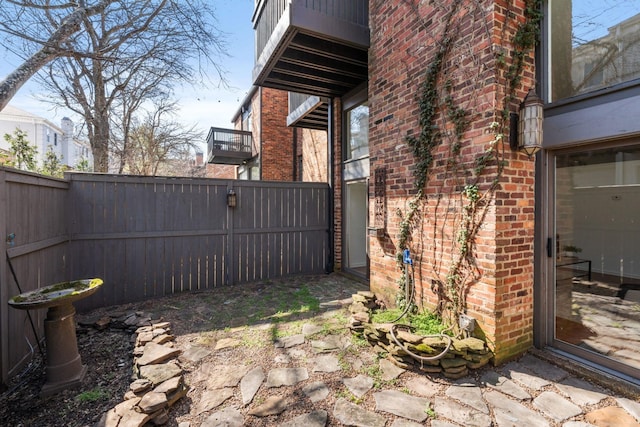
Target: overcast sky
{"x":202,"y":107}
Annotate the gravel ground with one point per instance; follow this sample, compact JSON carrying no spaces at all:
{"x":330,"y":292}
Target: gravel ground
{"x":255,"y":314}
{"x":108,"y":355}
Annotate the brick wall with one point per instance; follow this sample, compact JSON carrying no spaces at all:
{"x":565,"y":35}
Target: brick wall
{"x":404,"y":38}
{"x":221,"y":171}
{"x":276,"y":139}
{"x":256,"y":120}
{"x":312,"y":147}
{"x":336,"y":158}
{"x":275,"y":142}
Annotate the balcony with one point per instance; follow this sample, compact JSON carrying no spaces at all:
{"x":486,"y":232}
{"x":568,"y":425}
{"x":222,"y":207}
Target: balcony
{"x":308,"y":111}
{"x":318,"y":47}
{"x":229,"y":147}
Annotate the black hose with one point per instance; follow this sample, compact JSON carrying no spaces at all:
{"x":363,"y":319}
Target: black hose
{"x":33,"y":327}
{"x":417,"y":356}
{"x":409,"y":294}
{"x":408,"y":284}
{"x":25,"y":372}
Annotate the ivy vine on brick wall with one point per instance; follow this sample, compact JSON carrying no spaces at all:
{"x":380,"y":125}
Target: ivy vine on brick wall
{"x":444,"y":121}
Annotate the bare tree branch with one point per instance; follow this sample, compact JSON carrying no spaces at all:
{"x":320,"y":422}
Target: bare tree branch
{"x":51,"y":49}
{"x":112,"y":60}
{"x":158,"y":145}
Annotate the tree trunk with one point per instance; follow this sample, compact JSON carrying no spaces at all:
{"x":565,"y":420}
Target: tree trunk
{"x":101,"y":127}
{"x":101,"y":146}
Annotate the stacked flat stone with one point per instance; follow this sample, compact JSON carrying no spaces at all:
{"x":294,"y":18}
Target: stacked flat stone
{"x":123,"y":320}
{"x":158,"y":381}
{"x":363,"y":303}
{"x":463,"y":354}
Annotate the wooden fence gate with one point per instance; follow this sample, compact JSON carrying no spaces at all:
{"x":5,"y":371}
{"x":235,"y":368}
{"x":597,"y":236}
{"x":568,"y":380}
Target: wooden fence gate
{"x":149,"y":237}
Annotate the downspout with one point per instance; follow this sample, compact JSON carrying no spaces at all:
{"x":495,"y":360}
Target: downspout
{"x":260,"y":157}
{"x":295,"y":176}
{"x":331,"y":181}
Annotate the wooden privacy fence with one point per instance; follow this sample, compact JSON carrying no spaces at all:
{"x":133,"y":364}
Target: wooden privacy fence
{"x":34,"y":233}
{"x":150,"y":237}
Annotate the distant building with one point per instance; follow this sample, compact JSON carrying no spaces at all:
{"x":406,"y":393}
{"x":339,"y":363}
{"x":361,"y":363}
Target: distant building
{"x":270,"y":140}
{"x":45,"y":135}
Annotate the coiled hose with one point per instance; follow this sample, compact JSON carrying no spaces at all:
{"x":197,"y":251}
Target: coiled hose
{"x":409,"y":294}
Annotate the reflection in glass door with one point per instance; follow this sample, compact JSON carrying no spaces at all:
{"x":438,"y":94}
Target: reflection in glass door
{"x":597,"y":256}
{"x":355,"y":176}
{"x":356,"y":227}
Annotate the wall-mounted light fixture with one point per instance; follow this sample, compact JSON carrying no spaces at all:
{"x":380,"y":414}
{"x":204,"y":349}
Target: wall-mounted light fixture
{"x":526,"y":128}
{"x":232,"y":198}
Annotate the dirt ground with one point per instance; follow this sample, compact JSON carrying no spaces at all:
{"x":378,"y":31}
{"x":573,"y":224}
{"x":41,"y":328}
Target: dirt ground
{"x":109,"y":357}
{"x":255,"y":314}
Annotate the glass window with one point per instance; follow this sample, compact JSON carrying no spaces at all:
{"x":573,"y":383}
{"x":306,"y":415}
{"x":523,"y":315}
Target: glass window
{"x":250,"y":171}
{"x":597,"y":199}
{"x":246,"y":119}
{"x":356,"y":226}
{"x":243,"y":172}
{"x":358,"y":132}
{"x":594,"y":44}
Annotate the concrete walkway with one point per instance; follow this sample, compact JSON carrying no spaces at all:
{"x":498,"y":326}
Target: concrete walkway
{"x":333,"y":379}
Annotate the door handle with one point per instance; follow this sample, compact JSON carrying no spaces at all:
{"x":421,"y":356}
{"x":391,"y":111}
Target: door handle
{"x":549,"y":247}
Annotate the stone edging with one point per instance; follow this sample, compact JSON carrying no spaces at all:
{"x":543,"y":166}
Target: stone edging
{"x":464,"y":354}
{"x":157,"y":379}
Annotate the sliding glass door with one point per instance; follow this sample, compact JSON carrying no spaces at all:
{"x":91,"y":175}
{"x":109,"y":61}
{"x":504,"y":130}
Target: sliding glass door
{"x":355,"y":180}
{"x":597,"y":255}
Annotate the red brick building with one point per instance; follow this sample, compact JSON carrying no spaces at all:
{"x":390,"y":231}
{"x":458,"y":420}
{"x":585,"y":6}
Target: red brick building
{"x":262,"y":146}
{"x":421,"y":101}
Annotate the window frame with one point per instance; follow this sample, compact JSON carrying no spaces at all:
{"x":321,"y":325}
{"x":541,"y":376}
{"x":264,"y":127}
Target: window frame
{"x":544,"y":71}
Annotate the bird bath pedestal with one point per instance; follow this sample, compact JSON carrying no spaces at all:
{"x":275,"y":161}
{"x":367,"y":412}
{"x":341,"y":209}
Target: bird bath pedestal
{"x":64,"y":369}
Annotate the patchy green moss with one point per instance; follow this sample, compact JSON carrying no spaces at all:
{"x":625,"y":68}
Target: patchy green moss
{"x":77,"y":286}
{"x":425,"y":323}
{"x":56,"y":291}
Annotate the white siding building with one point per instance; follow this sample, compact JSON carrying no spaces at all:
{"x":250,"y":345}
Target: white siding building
{"x":44,"y":135}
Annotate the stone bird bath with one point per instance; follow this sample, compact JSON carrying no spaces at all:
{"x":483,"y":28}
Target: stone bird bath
{"x":64,"y":369}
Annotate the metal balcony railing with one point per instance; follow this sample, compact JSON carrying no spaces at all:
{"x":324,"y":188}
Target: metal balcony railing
{"x":229,"y":145}
{"x":265,"y":18}
{"x":267,"y":14}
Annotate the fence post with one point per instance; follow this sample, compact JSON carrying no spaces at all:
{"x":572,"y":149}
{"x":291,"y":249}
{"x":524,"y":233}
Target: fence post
{"x":231,"y":262}
{"x":4,"y":284}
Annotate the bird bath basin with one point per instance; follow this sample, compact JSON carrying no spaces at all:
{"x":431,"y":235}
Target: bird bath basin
{"x":64,"y":369}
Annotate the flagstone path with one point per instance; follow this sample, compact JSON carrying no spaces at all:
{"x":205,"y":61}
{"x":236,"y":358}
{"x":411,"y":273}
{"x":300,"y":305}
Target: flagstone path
{"x":529,"y":392}
{"x":310,"y":371}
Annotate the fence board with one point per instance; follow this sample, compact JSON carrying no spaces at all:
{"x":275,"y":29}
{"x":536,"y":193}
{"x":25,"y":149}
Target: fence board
{"x":135,"y":253}
{"x":116,"y":198}
{"x":199,"y":276}
{"x":273,"y":255}
{"x":4,"y":288}
{"x":155,"y":273}
{"x":150,"y":237}
{"x":39,"y":254}
{"x":169,"y":267}
{"x":186,"y":264}
{"x":226,"y":263}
